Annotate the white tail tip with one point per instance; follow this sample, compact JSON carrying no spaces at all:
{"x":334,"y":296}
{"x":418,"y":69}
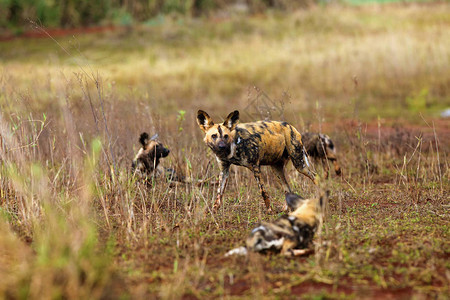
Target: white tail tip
{"x":237,"y":251}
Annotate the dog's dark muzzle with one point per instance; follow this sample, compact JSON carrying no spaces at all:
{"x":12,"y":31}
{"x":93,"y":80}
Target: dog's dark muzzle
{"x":165,"y":152}
{"x":222,"y":146}
{"x":221,"y":149}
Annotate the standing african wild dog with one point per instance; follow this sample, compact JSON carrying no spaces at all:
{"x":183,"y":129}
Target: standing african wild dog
{"x":252,"y":145}
{"x":320,"y":146}
{"x":291,"y":234}
{"x":146,"y":162}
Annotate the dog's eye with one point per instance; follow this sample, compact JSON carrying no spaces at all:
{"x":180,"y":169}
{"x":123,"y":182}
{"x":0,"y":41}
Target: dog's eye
{"x":214,"y":136}
{"x":225,"y":136}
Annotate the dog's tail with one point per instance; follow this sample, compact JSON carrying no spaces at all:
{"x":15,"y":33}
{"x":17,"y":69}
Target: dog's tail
{"x":237,"y":251}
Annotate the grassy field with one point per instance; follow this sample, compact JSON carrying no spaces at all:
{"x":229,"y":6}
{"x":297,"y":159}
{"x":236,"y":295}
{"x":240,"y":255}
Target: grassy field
{"x":75,"y":224}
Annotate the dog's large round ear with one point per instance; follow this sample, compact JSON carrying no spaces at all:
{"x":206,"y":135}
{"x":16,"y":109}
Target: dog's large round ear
{"x":327,"y":141}
{"x":293,"y":201}
{"x":204,"y":121}
{"x":143,"y":139}
{"x":232,"y":120}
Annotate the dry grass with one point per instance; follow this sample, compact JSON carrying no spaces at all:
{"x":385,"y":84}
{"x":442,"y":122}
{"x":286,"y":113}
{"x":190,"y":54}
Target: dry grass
{"x":392,"y":52}
{"x":75,"y":224}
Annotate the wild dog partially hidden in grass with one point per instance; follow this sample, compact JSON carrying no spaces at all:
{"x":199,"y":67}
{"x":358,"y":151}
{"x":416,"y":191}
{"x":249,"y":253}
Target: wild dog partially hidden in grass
{"x":252,"y":145}
{"x":321,"y":147}
{"x":146,"y":162}
{"x":290,"y":235}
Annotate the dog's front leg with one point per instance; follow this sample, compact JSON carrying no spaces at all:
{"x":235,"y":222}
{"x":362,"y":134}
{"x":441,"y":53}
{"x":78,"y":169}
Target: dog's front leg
{"x":223,"y":179}
{"x":325,"y":168}
{"x":337,"y":168}
{"x":257,"y":173}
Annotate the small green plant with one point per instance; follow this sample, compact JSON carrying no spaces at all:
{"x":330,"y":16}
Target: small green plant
{"x":180,"y":119}
{"x":419,"y":102}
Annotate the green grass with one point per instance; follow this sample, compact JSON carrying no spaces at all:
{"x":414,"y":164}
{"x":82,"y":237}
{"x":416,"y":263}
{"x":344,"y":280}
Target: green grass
{"x":74,"y":223}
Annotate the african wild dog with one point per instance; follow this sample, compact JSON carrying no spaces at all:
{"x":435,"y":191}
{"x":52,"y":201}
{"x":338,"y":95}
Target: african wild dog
{"x":252,"y":145}
{"x":291,"y":234}
{"x":146,"y":162}
{"x":320,"y":146}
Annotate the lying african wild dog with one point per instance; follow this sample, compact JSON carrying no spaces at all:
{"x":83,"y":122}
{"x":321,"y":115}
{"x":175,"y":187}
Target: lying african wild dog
{"x":290,"y":235}
{"x":252,"y":145}
{"x":146,"y":162}
{"x":320,"y":146}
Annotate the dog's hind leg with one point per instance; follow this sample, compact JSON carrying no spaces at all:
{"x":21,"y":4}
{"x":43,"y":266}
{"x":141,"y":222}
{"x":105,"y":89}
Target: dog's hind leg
{"x":279,"y":171}
{"x":257,"y":173}
{"x":288,"y":247}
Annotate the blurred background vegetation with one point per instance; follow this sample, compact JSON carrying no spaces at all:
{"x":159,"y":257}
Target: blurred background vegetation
{"x":15,"y":15}
{"x":73,"y":13}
